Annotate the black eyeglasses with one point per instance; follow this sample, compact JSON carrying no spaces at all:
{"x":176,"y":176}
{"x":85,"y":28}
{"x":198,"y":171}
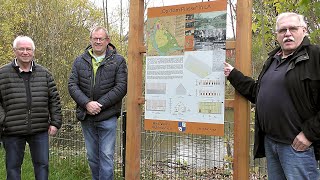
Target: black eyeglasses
{"x":292,"y":29}
{"x":99,"y":39}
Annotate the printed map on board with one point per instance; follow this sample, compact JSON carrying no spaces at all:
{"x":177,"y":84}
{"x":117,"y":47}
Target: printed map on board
{"x":166,"y":35}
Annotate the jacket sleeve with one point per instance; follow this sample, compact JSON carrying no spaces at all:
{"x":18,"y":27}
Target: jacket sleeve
{"x":54,"y":103}
{"x":311,"y":127}
{"x":2,"y":117}
{"x":73,"y":86}
{"x":116,"y":94}
{"x":245,"y":85}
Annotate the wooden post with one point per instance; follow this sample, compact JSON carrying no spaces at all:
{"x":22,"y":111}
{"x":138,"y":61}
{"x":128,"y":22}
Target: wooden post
{"x":134,"y":111}
{"x":241,"y":105}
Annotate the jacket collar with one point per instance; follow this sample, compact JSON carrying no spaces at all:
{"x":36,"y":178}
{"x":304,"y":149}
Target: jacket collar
{"x":18,"y":69}
{"x":111,"y":50}
{"x":305,"y":42}
{"x":299,"y":52}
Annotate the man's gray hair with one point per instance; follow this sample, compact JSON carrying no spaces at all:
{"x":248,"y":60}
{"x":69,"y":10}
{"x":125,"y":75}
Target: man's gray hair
{"x":288,"y":14}
{"x":23,"y":38}
{"x":97,"y":29}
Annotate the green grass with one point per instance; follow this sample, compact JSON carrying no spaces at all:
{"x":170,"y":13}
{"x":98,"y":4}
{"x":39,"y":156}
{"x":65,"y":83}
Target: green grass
{"x":61,"y":168}
{"x":67,"y":168}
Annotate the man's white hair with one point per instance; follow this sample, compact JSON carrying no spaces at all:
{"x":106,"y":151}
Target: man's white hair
{"x":288,"y":14}
{"x":23,"y":38}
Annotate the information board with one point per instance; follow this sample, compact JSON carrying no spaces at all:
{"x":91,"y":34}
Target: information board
{"x":184,"y":80}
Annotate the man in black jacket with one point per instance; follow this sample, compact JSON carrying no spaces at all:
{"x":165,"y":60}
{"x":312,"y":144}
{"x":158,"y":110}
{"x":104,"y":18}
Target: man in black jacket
{"x":97,"y":83}
{"x":286,"y":94}
{"x":30,"y":110}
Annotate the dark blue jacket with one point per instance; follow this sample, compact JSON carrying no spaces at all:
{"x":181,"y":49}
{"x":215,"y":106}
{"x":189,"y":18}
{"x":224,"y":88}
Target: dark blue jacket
{"x":108,"y":88}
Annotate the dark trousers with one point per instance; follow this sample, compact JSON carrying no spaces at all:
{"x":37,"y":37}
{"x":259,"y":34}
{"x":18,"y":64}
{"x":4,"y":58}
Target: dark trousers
{"x":39,"y":149}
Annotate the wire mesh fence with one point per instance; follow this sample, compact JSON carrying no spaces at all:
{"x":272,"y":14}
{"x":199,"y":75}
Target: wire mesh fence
{"x":187,"y":156}
{"x":163,"y":155}
{"x":67,"y":148}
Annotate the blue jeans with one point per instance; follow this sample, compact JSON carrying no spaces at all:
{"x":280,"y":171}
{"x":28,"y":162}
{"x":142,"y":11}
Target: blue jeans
{"x":285,"y":163}
{"x":100,"y":140}
{"x":39,"y":149}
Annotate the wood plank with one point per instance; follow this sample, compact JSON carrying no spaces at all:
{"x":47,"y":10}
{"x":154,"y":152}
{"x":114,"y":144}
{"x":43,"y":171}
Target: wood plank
{"x":141,"y":100}
{"x":229,"y":103}
{"x":134,"y":111}
{"x":142,"y":49}
{"x":241,"y":105}
{"x":230,"y":45}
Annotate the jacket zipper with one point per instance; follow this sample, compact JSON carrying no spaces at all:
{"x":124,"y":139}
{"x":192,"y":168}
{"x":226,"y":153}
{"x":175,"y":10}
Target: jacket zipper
{"x":92,"y":78}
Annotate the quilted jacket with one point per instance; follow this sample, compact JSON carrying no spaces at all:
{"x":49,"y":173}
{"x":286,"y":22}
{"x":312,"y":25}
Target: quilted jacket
{"x":17,"y":116}
{"x":108,"y":87}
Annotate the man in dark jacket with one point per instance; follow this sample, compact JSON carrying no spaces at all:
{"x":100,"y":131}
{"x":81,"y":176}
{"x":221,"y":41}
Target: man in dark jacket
{"x":286,"y":94}
{"x":97,"y":83}
{"x":30,"y":110}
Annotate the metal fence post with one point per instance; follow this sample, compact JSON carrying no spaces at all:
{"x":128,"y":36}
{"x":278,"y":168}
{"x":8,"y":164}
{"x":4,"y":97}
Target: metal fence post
{"x":124,"y":127}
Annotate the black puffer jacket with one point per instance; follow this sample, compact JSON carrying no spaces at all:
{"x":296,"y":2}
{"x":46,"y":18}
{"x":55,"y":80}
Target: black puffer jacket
{"x":16,"y":116}
{"x":109,"y":88}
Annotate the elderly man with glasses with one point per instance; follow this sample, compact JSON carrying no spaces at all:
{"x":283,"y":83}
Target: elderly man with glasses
{"x":30,"y":110}
{"x":287,"y":98}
